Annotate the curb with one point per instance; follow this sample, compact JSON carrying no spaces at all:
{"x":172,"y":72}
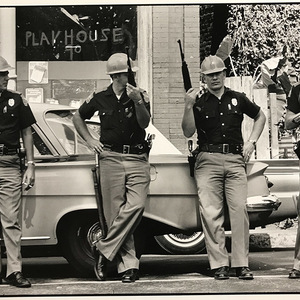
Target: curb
{"x":265,"y":238}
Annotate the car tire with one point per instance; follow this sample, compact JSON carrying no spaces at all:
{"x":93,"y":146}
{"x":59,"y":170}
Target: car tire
{"x":74,"y":243}
{"x":181,"y":243}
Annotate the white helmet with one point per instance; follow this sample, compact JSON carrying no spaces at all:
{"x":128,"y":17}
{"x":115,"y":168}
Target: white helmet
{"x":4,"y":66}
{"x":212,"y":64}
{"x":117,"y":63}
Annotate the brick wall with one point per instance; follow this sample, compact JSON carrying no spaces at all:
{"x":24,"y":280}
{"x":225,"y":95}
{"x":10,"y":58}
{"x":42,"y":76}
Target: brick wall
{"x":206,"y":29}
{"x":171,"y":23}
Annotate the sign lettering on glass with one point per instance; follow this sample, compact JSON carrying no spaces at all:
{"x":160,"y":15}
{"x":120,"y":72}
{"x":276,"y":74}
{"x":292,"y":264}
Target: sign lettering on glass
{"x":33,"y":39}
{"x":75,"y":33}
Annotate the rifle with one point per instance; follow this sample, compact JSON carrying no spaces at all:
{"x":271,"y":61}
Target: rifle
{"x":131,"y":79}
{"x":187,"y":85}
{"x":99,"y":201}
{"x":185,"y":71}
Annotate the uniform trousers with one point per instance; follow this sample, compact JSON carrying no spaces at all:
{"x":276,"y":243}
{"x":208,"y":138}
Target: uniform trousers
{"x":219,"y":177}
{"x":10,"y":200}
{"x":297,"y":243}
{"x":125,"y":180}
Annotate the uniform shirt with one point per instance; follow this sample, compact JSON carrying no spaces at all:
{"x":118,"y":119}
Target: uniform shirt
{"x":219,"y":121}
{"x":119,"y":125}
{"x":15,"y":115}
{"x":293,"y":100}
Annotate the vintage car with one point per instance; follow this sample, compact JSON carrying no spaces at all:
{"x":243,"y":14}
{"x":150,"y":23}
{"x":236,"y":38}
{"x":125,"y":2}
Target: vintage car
{"x":61,"y":208}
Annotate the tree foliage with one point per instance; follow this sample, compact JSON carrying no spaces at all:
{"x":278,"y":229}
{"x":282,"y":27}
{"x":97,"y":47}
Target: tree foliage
{"x":260,"y":32}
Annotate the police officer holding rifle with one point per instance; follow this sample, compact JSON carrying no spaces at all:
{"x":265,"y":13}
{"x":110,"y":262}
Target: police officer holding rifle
{"x":124,"y":169}
{"x":220,"y":172}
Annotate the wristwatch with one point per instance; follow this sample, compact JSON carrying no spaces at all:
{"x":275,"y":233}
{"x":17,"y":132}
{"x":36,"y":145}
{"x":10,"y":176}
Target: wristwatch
{"x":253,"y":142}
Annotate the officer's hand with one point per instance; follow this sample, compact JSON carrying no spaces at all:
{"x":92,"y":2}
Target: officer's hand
{"x":190,"y":96}
{"x":133,"y":93}
{"x":95,"y":145}
{"x":248,"y":149}
{"x":29,"y":177}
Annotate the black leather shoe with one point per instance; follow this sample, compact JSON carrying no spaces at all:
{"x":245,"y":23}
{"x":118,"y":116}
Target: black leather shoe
{"x":222,"y":273}
{"x":100,"y":267}
{"x":294,"y":274}
{"x":244,"y":273}
{"x":130,"y":275}
{"x":17,"y":279}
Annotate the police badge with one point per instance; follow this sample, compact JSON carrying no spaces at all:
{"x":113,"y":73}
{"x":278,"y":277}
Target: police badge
{"x":11,"y":102}
{"x":234,"y":101}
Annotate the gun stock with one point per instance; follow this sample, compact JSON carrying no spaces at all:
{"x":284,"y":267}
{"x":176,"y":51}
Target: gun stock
{"x":185,"y":71}
{"x":131,"y":79}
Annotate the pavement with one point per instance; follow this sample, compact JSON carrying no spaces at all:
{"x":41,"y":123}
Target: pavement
{"x":274,"y":236}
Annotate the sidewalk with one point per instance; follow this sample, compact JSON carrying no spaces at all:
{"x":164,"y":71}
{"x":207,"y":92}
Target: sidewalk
{"x":273,"y":237}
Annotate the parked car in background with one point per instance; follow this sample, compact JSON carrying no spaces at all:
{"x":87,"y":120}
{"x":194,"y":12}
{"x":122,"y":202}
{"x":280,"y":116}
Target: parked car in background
{"x":61,"y":208}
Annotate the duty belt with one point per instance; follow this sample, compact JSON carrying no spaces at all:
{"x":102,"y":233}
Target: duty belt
{"x":128,"y":149}
{"x":223,"y":148}
{"x":4,"y":150}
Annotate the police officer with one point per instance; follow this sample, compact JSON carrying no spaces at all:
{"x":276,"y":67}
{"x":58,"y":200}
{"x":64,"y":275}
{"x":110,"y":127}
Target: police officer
{"x":124,"y":112}
{"x":220,"y":165}
{"x":15,"y":122}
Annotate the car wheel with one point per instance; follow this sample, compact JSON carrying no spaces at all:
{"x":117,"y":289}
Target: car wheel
{"x":75,"y":242}
{"x":181,"y":243}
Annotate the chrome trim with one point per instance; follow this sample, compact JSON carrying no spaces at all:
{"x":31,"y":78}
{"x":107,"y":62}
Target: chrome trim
{"x":262,"y":203}
{"x":35,"y":238}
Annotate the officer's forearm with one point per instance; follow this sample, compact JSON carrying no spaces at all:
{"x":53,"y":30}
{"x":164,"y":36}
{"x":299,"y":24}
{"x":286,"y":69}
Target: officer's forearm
{"x":188,"y":122}
{"x":258,"y":126}
{"x":142,"y":114}
{"x":81,"y":127}
{"x":28,"y":143}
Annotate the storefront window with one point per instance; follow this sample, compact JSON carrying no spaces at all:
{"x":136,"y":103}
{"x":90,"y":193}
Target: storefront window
{"x":75,"y":33}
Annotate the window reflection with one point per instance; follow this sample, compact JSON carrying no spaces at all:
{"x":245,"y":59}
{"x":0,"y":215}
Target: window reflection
{"x":61,"y":124}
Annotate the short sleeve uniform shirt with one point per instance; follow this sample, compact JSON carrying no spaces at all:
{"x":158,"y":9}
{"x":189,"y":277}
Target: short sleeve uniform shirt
{"x":118,"y":120}
{"x":218,"y":121}
{"x":15,"y":115}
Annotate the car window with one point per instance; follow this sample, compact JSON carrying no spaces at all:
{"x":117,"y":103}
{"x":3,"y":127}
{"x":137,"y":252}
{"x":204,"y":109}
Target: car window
{"x":39,"y":146}
{"x":61,"y":124}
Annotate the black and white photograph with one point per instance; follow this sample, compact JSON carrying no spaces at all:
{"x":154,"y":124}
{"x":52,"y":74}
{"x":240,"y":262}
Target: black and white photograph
{"x":149,"y":150}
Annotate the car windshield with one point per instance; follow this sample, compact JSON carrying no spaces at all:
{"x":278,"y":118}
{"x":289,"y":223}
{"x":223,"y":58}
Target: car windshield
{"x":61,"y":124}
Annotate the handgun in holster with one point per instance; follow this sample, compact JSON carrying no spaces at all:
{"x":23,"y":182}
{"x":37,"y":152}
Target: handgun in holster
{"x":149,"y":141}
{"x":22,"y":155}
{"x":192,"y":157}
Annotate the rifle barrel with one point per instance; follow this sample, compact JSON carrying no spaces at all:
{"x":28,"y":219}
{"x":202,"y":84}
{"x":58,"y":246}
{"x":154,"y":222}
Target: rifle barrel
{"x":181,"y":52}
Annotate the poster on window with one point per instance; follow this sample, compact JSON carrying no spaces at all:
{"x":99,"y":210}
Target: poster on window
{"x":38,"y":72}
{"x":34,"y":95}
